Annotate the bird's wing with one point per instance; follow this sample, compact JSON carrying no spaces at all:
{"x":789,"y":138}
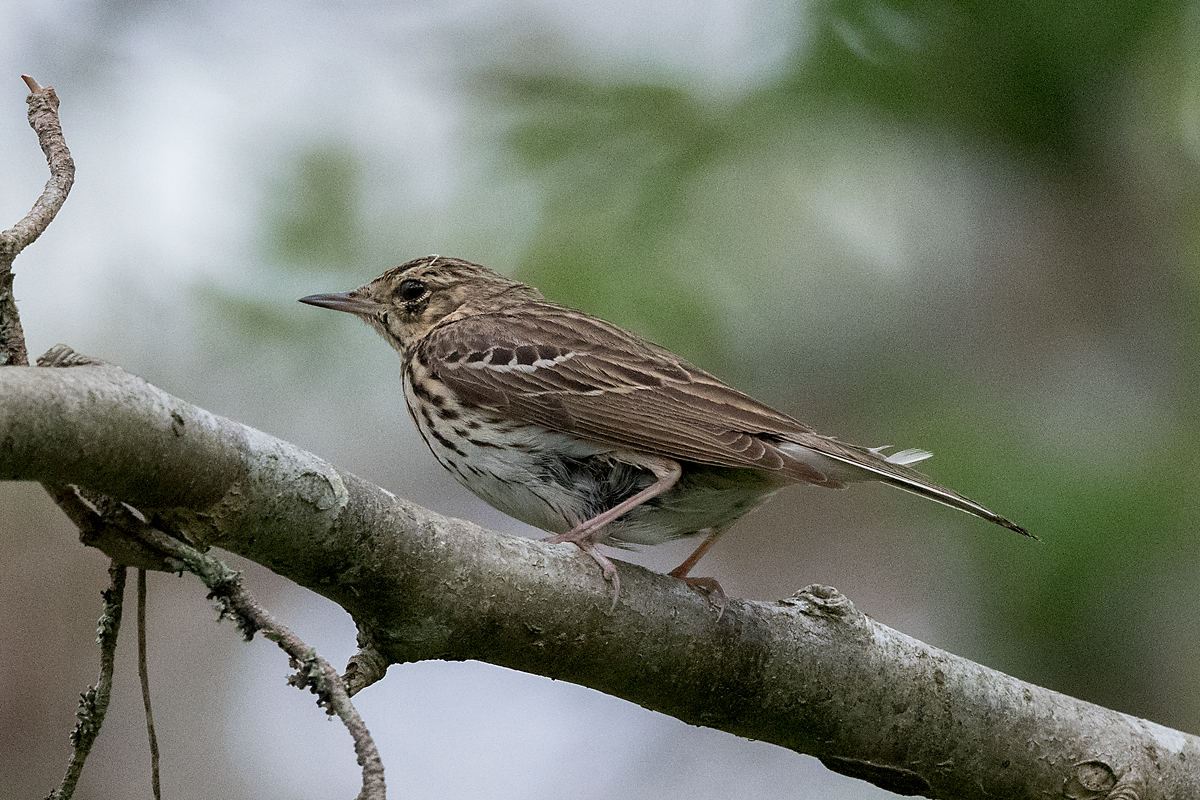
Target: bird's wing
{"x":578,"y":375}
{"x":581,"y":376}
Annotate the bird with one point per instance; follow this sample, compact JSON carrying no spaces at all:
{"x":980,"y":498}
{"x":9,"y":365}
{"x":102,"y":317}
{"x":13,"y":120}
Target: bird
{"x":592,"y":433}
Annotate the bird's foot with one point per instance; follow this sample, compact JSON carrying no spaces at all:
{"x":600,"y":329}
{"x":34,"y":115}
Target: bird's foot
{"x":705,"y":586}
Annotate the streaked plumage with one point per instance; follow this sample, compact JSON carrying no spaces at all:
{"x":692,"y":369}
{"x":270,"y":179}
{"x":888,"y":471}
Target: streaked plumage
{"x":583,"y":429}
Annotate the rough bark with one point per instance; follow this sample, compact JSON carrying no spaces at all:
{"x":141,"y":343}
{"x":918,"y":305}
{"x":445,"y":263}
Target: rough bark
{"x":809,"y":673}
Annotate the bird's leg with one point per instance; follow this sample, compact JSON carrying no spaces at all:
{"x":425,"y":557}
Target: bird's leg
{"x":683,"y":569}
{"x":588,"y":533}
{"x":667,"y":472}
{"x":709,"y":586}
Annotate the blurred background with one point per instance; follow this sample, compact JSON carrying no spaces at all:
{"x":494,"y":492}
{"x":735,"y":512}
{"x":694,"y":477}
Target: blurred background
{"x":967,"y":227}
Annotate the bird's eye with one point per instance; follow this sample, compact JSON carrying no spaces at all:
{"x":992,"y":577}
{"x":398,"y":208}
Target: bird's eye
{"x":410,"y":290}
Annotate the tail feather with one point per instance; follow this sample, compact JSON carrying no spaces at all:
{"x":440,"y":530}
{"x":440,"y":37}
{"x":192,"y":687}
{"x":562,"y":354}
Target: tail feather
{"x":904,"y":457}
{"x":893,"y":470}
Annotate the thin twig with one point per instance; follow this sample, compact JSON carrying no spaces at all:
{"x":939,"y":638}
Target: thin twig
{"x":97,"y":515}
{"x":94,"y":702}
{"x":43,"y":118}
{"x":144,"y":676}
{"x":105,"y":524}
{"x":313,"y":672}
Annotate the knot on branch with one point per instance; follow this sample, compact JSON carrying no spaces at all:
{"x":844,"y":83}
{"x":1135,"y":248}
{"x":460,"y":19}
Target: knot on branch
{"x":1097,"y":780}
{"x":826,"y":601}
{"x":364,"y":668}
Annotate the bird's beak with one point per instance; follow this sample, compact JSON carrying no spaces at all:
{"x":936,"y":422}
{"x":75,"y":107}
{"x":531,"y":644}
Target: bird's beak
{"x":344,"y":301}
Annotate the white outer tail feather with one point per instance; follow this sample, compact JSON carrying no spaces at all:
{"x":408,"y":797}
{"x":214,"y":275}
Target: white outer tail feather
{"x":910,"y":456}
{"x":850,"y":469}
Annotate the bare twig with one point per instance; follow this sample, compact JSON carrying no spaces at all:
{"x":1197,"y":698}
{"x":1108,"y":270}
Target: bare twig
{"x":94,"y":702}
{"x":43,"y":118}
{"x":313,"y":672}
{"x":108,"y":523}
{"x":144,"y":678}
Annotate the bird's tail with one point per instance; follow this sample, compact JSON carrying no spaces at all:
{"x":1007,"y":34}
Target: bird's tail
{"x":895,"y":471}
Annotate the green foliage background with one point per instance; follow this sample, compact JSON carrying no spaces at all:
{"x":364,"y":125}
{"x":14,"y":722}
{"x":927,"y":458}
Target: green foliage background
{"x":968,"y":227}
{"x":691,"y":218}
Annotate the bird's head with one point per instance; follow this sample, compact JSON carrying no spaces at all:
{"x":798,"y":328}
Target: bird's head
{"x":406,"y":302}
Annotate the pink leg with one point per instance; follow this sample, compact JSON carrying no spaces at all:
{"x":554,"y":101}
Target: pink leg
{"x":665,"y":470}
{"x":683,"y":569}
{"x":708,"y":586}
{"x":588,"y":533}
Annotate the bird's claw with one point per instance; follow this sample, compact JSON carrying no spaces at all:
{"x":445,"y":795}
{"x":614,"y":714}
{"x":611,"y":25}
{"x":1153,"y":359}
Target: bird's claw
{"x":707,"y":587}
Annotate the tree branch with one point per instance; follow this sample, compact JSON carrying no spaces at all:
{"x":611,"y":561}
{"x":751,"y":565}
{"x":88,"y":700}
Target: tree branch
{"x":144,"y":680}
{"x":43,"y":118}
{"x":810,"y":673}
{"x":93,"y":704}
{"x":108,"y":524}
{"x":313,"y":672}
